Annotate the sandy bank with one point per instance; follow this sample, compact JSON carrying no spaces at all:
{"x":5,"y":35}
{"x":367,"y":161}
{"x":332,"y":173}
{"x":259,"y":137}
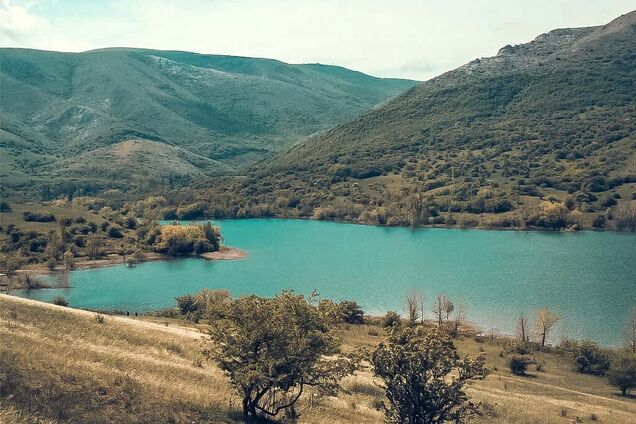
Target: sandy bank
{"x":226,"y":253}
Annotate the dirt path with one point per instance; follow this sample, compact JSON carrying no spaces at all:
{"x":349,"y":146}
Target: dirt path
{"x":565,"y":389}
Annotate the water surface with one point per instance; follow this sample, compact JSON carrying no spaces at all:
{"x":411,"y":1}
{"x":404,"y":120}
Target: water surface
{"x":589,"y":278}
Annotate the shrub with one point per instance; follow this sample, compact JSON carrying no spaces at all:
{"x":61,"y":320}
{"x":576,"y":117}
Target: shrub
{"x":99,"y":318}
{"x":417,"y":364}
{"x":589,"y":357}
{"x":5,"y":206}
{"x":179,"y":240}
{"x":599,"y":221}
{"x":114,"y":231}
{"x":60,"y":301}
{"x":625,"y":217}
{"x":550,"y":215}
{"x":187,"y":306}
{"x":391,"y":319}
{"x":519,"y":365}
{"x":351,"y":312}
{"x":623,"y":376}
{"x":39,"y":216}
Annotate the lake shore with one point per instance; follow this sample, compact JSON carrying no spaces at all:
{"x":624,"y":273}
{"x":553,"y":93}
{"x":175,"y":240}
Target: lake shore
{"x":84,"y":263}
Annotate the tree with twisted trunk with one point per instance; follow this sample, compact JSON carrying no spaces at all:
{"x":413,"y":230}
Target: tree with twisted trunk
{"x":273,"y":348}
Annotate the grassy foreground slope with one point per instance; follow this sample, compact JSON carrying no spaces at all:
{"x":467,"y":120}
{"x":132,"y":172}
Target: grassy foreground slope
{"x":62,"y":365}
{"x":551,"y":118}
{"x":64,"y":108}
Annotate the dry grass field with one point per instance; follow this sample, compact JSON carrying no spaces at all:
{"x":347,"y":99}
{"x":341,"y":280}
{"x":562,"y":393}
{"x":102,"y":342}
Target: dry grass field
{"x":64,"y":365}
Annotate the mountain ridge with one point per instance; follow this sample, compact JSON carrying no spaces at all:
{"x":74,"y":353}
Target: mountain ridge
{"x":550,"y":119}
{"x":233,"y":110}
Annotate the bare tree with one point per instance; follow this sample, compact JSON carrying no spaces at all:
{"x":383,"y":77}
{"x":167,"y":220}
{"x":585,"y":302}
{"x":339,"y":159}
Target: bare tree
{"x":419,"y":215}
{"x":631,"y":334}
{"x":413,"y":305}
{"x":92,"y":246}
{"x":438,"y":308}
{"x":522,"y":328}
{"x":460,"y":317}
{"x":544,"y":323}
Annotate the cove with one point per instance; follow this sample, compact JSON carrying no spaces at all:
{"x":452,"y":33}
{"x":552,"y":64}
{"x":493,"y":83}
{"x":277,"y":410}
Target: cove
{"x":589,"y":278}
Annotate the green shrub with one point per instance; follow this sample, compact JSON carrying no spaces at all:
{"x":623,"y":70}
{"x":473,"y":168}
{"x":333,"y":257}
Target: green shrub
{"x":351,"y":312}
{"x":59,"y":301}
{"x":589,"y":357}
{"x":623,"y":376}
{"x":519,"y":365}
{"x":39,"y":216}
{"x":390,"y":319}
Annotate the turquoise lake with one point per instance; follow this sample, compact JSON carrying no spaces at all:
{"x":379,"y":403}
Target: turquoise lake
{"x":589,"y":278}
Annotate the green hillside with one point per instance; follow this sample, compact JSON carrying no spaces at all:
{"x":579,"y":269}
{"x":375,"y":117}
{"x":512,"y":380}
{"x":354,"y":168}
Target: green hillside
{"x":553,"y":119}
{"x":61,"y":111}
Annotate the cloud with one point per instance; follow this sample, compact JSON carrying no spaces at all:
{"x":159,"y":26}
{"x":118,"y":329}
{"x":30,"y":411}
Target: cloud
{"x":401,"y":38}
{"x":19,"y":27}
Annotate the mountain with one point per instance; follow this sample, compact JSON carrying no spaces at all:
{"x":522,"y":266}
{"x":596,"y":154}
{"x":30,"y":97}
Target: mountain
{"x":555,"y":117}
{"x":62,"y":112}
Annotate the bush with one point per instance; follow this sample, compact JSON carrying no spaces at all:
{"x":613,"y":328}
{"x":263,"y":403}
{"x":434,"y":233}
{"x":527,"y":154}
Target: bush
{"x":391,"y":319}
{"x":625,"y":217}
{"x":417,"y":364}
{"x":179,"y":240}
{"x":624,"y":376}
{"x":351,"y":312}
{"x":519,"y":365}
{"x":39,"y":216}
{"x":114,"y":231}
{"x":589,"y":357}
{"x":59,"y":301}
{"x":4,"y":206}
{"x":598,"y":221}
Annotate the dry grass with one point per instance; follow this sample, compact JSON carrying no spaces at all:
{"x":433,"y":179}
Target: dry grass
{"x":69,"y":367}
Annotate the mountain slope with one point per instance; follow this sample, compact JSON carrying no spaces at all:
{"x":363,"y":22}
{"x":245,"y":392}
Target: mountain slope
{"x":232,"y":110}
{"x":553,"y":117}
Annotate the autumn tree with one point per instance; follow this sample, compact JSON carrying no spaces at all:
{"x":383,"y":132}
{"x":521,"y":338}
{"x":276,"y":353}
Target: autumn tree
{"x":272,"y":348}
{"x":424,"y":377}
{"x":544,"y":322}
{"x":69,"y":261}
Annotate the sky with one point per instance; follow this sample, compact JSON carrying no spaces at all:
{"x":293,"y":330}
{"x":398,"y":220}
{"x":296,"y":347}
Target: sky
{"x":416,"y":39}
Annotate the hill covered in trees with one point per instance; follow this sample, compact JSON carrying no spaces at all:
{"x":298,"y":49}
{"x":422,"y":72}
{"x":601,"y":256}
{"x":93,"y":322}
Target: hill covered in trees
{"x":540,"y":127}
{"x":145,"y":118}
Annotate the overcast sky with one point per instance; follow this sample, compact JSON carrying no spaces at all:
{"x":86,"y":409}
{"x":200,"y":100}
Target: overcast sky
{"x":391,"y":38}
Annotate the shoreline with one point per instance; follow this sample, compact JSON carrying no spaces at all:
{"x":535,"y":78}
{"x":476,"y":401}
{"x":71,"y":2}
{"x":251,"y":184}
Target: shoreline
{"x":225,"y":253}
{"x":528,"y":229}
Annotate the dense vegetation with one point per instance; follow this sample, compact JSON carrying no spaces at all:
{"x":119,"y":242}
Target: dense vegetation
{"x":61,"y":233}
{"x":147,"y":119}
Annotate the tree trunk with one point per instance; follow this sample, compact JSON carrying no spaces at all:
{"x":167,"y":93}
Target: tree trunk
{"x":246,"y":407}
{"x":543,"y":339}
